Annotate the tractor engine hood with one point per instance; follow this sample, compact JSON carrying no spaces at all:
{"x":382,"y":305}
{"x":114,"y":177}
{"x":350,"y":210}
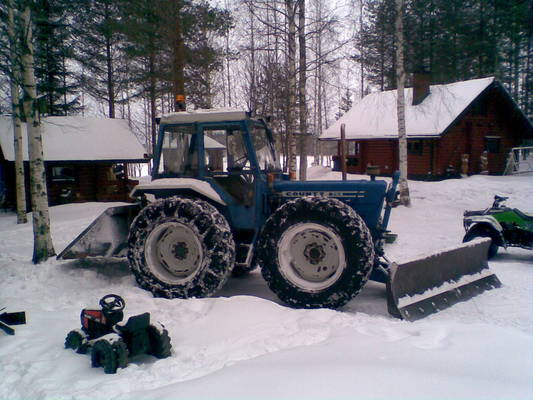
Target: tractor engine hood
{"x":367,"y":197}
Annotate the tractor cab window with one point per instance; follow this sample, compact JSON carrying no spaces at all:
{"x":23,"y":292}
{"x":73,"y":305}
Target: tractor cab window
{"x":225,"y":151}
{"x":179,"y":155}
{"x":264,"y":149}
{"x":227,"y":161}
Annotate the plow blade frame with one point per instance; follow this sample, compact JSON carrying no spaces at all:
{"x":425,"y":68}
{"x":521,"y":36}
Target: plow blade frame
{"x":428,"y":285}
{"x":106,"y":236}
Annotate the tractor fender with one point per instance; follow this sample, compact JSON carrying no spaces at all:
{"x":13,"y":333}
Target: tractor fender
{"x":490,"y":226}
{"x":169,"y":187}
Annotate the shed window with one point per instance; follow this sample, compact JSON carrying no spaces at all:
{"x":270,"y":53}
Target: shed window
{"x":353,"y":148}
{"x":63,"y":174}
{"x":415,"y":147}
{"x":492,"y":144}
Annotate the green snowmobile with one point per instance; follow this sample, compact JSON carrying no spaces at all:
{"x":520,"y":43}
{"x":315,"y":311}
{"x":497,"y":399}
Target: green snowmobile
{"x":507,"y":227}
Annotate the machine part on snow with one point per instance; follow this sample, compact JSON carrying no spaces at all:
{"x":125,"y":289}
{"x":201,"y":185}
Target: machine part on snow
{"x":12,"y":318}
{"x":219,"y":202}
{"x":315,"y":252}
{"x":181,"y":247}
{"x":451,"y":276}
{"x":112,"y":342}
{"x":507,"y":227}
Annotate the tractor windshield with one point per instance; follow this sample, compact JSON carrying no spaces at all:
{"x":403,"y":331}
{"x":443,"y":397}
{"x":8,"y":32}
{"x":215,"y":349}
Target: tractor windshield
{"x":179,"y":156}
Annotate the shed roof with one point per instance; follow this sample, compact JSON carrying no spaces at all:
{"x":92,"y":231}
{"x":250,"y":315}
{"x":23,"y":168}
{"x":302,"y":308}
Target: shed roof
{"x":78,"y":139}
{"x":374,"y":116}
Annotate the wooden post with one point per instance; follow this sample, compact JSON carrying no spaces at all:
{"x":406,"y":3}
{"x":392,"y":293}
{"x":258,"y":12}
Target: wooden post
{"x":343,"y":151}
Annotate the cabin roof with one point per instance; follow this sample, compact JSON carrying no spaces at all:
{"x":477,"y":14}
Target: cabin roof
{"x":78,"y":139}
{"x":375,"y":117}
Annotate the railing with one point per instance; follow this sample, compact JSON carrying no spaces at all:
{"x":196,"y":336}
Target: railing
{"x":519,"y":161}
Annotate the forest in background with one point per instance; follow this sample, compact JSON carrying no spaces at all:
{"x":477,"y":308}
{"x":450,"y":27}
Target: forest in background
{"x":303,"y":62}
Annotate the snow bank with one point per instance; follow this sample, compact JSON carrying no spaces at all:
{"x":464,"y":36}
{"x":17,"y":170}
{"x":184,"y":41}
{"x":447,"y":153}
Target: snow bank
{"x":243,"y":344}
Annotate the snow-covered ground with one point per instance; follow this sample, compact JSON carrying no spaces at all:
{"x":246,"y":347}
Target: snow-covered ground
{"x":244,"y":344}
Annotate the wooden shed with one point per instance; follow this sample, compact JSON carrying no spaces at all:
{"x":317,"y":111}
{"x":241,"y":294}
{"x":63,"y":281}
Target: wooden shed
{"x":463,"y":127}
{"x":86,"y":159}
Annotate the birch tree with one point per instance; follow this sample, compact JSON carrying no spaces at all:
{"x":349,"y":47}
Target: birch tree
{"x":42,"y":240}
{"x":302,"y":81}
{"x":20,"y":188}
{"x":290,"y":9}
{"x":400,"y":105}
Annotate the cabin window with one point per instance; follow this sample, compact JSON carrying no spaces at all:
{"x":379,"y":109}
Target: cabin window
{"x":353,"y":148}
{"x":63,"y":174}
{"x":415,"y":147}
{"x":492,"y":144}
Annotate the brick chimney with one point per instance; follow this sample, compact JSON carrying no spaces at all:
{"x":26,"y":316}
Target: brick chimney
{"x":421,"y":82}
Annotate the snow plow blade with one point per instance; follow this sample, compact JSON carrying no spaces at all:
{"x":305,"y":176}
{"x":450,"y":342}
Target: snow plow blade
{"x":425,"y":286}
{"x":107,"y":236}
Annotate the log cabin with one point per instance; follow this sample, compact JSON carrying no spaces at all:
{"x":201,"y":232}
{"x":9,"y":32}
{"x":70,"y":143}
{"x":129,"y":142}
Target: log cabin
{"x":465,"y":127}
{"x":86,"y":159}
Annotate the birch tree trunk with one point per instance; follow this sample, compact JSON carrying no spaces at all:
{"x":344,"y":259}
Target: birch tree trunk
{"x":42,"y":240}
{"x":400,"y":105}
{"x":20,"y":188}
{"x":291,"y":68}
{"x":302,"y":104}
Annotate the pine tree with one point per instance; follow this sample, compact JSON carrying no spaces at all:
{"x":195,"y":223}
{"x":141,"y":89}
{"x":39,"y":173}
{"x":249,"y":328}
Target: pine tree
{"x":52,"y":51}
{"x":203,"y":55}
{"x":97,"y":44}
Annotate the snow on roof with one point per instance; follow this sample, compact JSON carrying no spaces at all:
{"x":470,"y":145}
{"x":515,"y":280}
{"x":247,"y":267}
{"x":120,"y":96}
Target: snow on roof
{"x":204,"y":115}
{"x":77,"y":139}
{"x":375,"y":115}
{"x":212,"y":144}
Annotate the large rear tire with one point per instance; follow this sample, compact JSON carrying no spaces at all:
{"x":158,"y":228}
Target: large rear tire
{"x":110,"y":355}
{"x":315,"y":252}
{"x":181,"y":247}
{"x":159,"y":341}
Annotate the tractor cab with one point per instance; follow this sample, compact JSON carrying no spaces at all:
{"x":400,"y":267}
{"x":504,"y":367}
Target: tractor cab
{"x":228,"y":150}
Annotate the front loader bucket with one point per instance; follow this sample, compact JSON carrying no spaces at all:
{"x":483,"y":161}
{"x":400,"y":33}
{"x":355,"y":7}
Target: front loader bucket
{"x":107,"y":236}
{"x":425,"y":286}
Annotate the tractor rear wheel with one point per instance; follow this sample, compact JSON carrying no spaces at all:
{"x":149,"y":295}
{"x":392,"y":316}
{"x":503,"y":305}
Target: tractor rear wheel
{"x":159,"y":341}
{"x":181,"y":247}
{"x":315,"y":252}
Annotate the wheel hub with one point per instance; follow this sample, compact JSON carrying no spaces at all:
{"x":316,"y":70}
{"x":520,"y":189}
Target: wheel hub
{"x":314,"y":253}
{"x":173,"y":252}
{"x":180,"y":251}
{"x":311,"y":256}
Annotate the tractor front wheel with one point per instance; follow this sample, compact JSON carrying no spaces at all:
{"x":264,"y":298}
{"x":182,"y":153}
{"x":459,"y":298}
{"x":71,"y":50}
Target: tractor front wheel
{"x":181,"y":247}
{"x":315,"y":252}
{"x":77,"y":341}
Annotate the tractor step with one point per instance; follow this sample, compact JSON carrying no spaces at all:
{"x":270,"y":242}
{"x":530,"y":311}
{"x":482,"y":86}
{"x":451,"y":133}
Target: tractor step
{"x":243,"y":254}
{"x":428,"y":285}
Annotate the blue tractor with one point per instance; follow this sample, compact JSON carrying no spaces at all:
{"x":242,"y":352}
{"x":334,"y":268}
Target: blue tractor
{"x":219,"y":204}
